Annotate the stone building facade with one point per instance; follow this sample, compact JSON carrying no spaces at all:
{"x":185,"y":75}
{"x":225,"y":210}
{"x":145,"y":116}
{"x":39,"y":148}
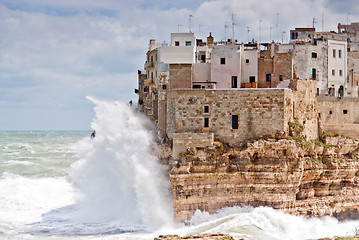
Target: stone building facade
{"x":235,"y":116}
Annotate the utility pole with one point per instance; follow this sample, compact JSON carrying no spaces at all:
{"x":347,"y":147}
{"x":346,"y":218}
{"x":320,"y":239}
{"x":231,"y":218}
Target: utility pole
{"x":189,"y":22}
{"x":270,"y":34}
{"x":248,"y":30}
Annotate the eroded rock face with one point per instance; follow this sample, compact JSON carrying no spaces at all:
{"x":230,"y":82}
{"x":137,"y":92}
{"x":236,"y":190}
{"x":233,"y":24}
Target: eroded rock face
{"x":315,"y":179}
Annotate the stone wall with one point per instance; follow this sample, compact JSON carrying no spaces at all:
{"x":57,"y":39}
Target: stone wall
{"x":260,"y":113}
{"x":182,"y":141}
{"x":280,"y":64}
{"x":339,"y":115}
{"x":302,"y":107}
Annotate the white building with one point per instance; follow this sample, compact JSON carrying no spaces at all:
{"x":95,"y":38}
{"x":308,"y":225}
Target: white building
{"x":323,"y":60}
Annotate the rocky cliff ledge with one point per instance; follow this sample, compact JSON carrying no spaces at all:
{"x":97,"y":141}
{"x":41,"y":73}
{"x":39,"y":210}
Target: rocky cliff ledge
{"x":304,"y":178}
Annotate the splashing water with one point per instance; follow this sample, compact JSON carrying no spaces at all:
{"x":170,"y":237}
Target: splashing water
{"x":121,"y":187}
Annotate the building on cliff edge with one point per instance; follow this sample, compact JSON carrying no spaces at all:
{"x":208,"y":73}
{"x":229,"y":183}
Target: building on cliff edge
{"x":197,"y":92}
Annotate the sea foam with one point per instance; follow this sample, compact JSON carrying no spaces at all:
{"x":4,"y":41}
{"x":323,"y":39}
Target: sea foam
{"x":120,"y":185}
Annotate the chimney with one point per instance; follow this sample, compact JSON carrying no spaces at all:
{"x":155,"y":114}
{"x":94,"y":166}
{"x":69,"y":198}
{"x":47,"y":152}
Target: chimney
{"x":210,"y":40}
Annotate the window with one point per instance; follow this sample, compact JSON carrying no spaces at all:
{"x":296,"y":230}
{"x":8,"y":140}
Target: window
{"x":223,"y":60}
{"x":203,"y":57}
{"x":345,"y":111}
{"x":340,"y":53}
{"x":340,"y":72}
{"x":314,"y":73}
{"x":331,"y":92}
{"x":188,"y":43}
{"x":196,"y":86}
{"x":177,"y":43}
{"x":247,"y":60}
{"x":314,"y":55}
{"x":206,"y":122}
{"x":317,"y":91}
{"x":206,"y":109}
{"x":330,"y":112}
{"x":268,"y":77}
{"x":333,"y":72}
{"x":234,"y":81}
{"x":333,"y":53}
{"x":164,"y":87}
{"x":280,"y":77}
{"x":234,"y":121}
{"x":252,"y":79}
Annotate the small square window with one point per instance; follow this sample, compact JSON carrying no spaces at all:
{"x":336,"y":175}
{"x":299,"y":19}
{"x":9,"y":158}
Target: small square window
{"x":340,"y":72}
{"x":164,"y":87}
{"x":314,"y":55}
{"x":188,"y":43}
{"x":177,"y":43}
{"x":333,"y":72}
{"x":345,"y":111}
{"x":223,"y":60}
{"x":280,"y":77}
{"x":330,"y":112}
{"x":247,"y":60}
{"x":206,"y":109}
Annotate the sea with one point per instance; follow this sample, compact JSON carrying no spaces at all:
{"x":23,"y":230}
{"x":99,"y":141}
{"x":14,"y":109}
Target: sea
{"x":58,"y":185}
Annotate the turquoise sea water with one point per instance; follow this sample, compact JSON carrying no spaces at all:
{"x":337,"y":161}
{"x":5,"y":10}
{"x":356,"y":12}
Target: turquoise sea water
{"x":66,"y":185}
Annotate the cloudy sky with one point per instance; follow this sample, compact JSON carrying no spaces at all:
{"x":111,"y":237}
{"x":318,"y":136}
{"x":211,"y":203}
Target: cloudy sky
{"x":54,"y":53}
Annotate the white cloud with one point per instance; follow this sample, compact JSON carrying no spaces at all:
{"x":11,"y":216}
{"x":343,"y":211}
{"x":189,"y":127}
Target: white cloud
{"x":54,"y":53}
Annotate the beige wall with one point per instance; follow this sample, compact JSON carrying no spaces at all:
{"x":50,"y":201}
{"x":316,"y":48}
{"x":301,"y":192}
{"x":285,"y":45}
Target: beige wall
{"x":260,"y":112}
{"x":340,"y":115}
{"x":180,"y":76}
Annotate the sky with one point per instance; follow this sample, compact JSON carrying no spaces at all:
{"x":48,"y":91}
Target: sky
{"x":54,"y":53}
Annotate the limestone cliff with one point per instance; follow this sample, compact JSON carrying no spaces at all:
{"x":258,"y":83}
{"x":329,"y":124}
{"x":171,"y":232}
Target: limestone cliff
{"x":304,"y":178}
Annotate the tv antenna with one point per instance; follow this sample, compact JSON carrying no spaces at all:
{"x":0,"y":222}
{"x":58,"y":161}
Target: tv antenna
{"x":178,"y":27}
{"x":323,"y":18}
{"x":314,"y":22}
{"x":248,"y":30}
{"x":199,"y":28}
{"x":233,"y":24}
{"x":189,"y":22}
{"x":277,"y":23}
{"x":270,"y":34}
{"x":283,"y":35}
{"x":260,"y":33}
{"x":348,"y":13}
{"x":225,"y":30}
